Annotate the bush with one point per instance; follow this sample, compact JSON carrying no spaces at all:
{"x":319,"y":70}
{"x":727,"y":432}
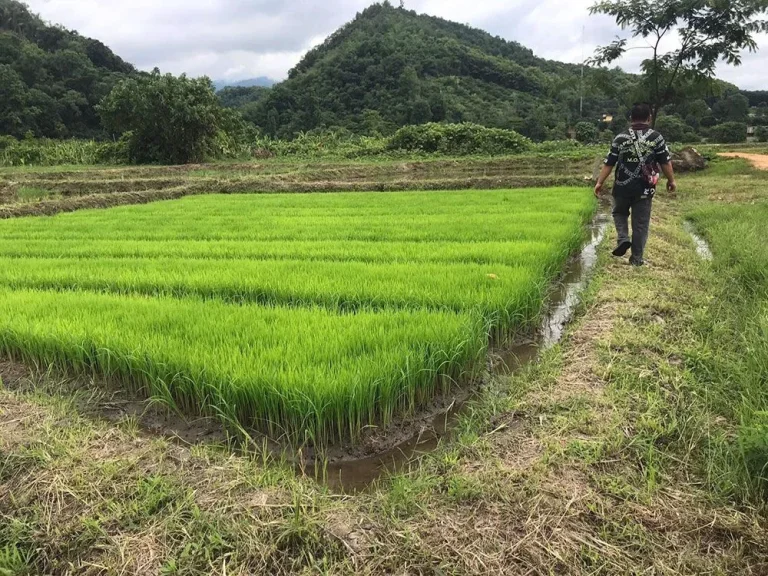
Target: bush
{"x":761,"y":133}
{"x":587,"y":133}
{"x":729,"y":133}
{"x":458,"y":140}
{"x":7,"y":141}
{"x":675,"y":129}
{"x":606,"y":137}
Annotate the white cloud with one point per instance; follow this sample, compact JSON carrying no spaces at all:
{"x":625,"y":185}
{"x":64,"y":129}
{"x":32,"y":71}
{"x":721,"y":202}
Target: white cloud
{"x":234,"y":39}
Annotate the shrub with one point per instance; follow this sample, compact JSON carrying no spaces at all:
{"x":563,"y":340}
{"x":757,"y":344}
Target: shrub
{"x":458,"y":140}
{"x":729,"y":133}
{"x":587,"y":133}
{"x":675,"y":129}
{"x":761,"y":133}
{"x":606,"y":137}
{"x":45,"y":152}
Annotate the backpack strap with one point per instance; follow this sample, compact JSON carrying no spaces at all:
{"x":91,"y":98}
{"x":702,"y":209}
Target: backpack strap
{"x":636,"y":142}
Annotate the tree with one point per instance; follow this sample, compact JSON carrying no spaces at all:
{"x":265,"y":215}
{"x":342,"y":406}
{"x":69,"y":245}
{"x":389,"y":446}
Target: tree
{"x":172,"y":120}
{"x":761,"y":134}
{"x":708,"y":31}
{"x":273,"y":122}
{"x":587,"y":133}
{"x":675,"y":129}
{"x":729,"y":133}
{"x":12,"y":101}
{"x":732,"y":108}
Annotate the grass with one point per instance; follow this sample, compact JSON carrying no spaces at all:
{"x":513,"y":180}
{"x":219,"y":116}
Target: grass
{"x":309,"y":317}
{"x":32,"y":194}
{"x":733,"y":357}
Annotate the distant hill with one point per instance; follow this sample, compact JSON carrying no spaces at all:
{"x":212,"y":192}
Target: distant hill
{"x":241,"y":97}
{"x":261,"y":81}
{"x":51,"y":78}
{"x":390,"y":67}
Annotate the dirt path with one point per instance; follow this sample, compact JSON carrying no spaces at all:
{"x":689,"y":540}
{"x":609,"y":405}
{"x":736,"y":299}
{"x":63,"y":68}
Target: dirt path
{"x":758,"y":160}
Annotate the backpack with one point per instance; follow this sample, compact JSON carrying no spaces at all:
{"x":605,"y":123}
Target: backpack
{"x":650,"y":170}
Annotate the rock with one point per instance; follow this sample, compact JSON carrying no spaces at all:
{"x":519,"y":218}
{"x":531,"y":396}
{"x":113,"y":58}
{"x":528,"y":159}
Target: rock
{"x":688,"y":160}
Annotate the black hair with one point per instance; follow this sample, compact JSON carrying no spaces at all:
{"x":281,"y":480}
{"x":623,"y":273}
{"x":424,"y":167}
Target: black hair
{"x":640,"y":112}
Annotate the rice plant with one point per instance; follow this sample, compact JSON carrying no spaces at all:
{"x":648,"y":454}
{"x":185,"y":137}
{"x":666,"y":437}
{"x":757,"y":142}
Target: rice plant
{"x":307,"y":316}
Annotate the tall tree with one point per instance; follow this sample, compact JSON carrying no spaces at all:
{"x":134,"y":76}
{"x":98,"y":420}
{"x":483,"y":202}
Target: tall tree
{"x":709,"y":31}
{"x":171,"y":120}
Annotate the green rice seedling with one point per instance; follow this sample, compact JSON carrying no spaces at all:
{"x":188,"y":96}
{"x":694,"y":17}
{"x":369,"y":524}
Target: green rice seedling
{"x":307,"y":316}
{"x":284,"y":371}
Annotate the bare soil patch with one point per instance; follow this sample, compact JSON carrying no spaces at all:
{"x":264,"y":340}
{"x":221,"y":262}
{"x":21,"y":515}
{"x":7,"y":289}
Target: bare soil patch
{"x":759,"y":161}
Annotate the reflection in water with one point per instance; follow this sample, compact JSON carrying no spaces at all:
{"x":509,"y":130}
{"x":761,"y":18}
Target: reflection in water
{"x":356,"y":475}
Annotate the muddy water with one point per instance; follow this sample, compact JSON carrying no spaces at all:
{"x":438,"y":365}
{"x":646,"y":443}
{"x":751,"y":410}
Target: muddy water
{"x":357,"y":475}
{"x":702,"y":246}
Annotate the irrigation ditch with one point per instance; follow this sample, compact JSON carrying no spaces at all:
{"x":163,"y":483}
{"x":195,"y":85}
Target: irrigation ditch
{"x":423,"y":434}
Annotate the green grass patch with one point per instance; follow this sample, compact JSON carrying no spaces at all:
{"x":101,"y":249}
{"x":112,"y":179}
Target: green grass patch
{"x":733,"y":359}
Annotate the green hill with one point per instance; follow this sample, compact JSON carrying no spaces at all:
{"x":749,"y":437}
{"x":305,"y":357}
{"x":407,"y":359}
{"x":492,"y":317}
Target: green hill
{"x":390,"y":67}
{"x":51,"y":78}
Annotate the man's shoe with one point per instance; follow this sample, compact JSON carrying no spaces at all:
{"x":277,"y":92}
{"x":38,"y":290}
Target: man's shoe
{"x":636,"y":262}
{"x":622,"y":248}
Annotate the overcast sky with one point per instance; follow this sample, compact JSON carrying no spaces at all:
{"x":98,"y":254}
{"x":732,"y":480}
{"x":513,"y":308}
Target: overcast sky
{"x":237,"y":39}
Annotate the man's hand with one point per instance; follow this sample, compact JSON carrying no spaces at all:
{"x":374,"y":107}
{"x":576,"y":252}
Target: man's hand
{"x":672,"y":186}
{"x":604,"y":173}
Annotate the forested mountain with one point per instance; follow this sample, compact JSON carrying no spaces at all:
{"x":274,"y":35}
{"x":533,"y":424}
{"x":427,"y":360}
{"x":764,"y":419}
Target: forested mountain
{"x":51,"y":78}
{"x":241,"y":97}
{"x":390,"y":67}
{"x":261,"y":81}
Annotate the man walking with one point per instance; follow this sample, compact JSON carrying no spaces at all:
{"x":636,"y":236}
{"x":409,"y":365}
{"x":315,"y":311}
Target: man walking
{"x":637,"y":155}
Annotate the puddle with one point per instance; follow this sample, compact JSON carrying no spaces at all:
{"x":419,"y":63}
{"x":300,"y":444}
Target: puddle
{"x":702,"y":246}
{"x":356,"y":475}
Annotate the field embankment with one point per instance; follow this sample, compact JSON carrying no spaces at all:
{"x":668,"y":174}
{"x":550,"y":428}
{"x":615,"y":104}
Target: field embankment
{"x":30,"y":191}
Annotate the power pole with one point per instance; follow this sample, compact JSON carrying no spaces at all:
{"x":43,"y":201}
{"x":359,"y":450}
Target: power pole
{"x":581,"y":87}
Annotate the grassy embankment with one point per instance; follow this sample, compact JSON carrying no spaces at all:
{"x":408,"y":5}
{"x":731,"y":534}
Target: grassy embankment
{"x":62,"y":188}
{"x":628,"y":449}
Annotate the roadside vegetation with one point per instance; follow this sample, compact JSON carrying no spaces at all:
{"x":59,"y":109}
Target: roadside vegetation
{"x":733,"y":358}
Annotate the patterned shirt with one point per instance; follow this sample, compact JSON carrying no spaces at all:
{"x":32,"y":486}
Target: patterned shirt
{"x":630,"y":181}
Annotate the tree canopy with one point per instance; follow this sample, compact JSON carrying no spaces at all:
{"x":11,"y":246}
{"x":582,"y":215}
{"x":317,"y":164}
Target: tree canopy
{"x":51,"y":78}
{"x":708,"y":33}
{"x":166,"y":119}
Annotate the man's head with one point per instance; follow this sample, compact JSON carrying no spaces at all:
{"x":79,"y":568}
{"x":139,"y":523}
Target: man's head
{"x":641,"y":113}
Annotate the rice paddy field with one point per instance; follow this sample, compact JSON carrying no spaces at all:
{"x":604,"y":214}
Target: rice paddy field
{"x":307,"y":316}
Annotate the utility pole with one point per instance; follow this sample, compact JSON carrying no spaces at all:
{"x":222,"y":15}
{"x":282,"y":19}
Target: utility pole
{"x":581,"y":88}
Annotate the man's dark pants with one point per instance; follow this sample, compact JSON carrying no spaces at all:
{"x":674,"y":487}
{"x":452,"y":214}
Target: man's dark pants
{"x":640,"y":208}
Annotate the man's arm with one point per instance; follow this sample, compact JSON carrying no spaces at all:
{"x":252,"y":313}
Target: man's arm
{"x":604,"y":173}
{"x":669,"y":172}
{"x":664,"y":158}
{"x":610,"y":161}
